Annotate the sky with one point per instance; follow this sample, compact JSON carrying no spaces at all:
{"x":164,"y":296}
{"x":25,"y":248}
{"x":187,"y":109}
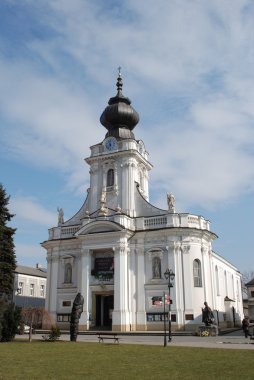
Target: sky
{"x":187,"y":66}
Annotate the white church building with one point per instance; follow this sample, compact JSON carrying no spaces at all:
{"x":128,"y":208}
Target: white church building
{"x":116,"y":248}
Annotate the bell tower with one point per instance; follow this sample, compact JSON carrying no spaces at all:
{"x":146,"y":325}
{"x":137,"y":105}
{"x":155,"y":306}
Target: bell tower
{"x":120,"y":162}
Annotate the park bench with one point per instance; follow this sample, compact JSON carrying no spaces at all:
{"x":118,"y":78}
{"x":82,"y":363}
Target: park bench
{"x":110,"y":336}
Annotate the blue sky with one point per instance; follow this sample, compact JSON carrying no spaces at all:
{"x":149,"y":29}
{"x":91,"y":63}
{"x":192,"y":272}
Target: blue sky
{"x":187,"y":66}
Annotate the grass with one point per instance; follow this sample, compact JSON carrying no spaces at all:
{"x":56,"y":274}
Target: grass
{"x":69,"y":360}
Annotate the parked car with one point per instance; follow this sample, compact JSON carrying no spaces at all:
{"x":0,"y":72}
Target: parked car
{"x":23,"y":329}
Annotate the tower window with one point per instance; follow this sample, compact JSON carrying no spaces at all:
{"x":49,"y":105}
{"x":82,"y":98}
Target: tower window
{"x":197,"y":273}
{"x":110,"y":177}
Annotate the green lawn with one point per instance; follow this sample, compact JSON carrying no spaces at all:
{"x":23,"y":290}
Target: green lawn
{"x":69,"y":360}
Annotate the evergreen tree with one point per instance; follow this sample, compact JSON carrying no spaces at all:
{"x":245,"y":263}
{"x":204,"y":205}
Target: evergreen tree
{"x":7,"y":253}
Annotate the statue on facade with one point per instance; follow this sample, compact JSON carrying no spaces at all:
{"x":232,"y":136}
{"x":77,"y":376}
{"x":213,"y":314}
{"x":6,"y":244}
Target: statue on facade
{"x":76,"y":312}
{"x":171,"y":202}
{"x":103,"y":208}
{"x":207,"y":315}
{"x":60,"y":216}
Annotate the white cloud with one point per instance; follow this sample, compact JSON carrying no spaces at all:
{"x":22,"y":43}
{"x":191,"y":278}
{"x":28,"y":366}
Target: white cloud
{"x":28,"y":254}
{"x":29,"y":209}
{"x":188,"y":64}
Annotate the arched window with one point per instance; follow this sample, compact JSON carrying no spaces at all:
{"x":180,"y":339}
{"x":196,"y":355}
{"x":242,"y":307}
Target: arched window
{"x":68,"y":273}
{"x":226,"y":283}
{"x":110,"y":177}
{"x":156,"y":267}
{"x":233,"y":288}
{"x":217,"y":281}
{"x":197,"y":276}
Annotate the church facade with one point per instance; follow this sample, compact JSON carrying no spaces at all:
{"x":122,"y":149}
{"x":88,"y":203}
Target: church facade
{"x":116,"y":248}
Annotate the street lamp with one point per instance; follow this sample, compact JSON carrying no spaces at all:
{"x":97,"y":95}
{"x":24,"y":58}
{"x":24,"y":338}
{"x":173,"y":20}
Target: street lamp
{"x":169,"y":275}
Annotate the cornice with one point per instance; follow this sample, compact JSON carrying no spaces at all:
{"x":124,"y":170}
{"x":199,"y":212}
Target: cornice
{"x":114,"y":155}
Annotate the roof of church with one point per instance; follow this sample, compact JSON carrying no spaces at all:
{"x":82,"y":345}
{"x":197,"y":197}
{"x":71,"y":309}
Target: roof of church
{"x":119,"y":117}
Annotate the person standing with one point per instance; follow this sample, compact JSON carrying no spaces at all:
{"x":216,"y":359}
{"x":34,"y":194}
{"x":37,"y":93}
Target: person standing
{"x":245,"y":326}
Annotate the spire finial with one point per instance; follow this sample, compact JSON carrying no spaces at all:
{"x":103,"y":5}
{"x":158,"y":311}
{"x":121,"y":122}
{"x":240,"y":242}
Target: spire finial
{"x":119,"y":84}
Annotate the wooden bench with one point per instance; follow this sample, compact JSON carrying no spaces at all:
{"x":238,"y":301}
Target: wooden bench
{"x":111,"y":336}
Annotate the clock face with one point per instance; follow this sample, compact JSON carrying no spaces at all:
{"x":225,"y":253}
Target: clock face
{"x":111,"y":144}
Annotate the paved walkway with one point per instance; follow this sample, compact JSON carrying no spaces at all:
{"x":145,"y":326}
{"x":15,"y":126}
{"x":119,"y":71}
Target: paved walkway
{"x":233,"y":340}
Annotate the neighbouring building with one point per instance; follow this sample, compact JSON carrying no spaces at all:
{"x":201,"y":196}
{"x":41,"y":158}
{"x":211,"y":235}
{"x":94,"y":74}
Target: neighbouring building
{"x":30,"y":286}
{"x":116,"y":248}
{"x":250,"y":295}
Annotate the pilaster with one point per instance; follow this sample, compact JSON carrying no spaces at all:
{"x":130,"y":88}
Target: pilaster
{"x":121,"y":315}
{"x":83,"y":286}
{"x":53,"y":261}
{"x":140,"y":282}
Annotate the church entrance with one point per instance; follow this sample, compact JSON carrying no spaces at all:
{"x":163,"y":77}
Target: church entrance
{"x":104,"y":309}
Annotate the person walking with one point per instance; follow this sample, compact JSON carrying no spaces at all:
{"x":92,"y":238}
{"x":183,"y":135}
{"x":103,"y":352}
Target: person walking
{"x":245,"y":326}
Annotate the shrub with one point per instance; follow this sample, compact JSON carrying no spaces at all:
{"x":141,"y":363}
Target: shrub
{"x":55,"y":333}
{"x":10,"y":320}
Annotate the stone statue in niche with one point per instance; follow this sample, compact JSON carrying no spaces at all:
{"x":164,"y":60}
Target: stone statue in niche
{"x":68,"y":274}
{"x":156,"y":267}
{"x":76,"y":312}
{"x":60,"y":216}
{"x":171,"y":202}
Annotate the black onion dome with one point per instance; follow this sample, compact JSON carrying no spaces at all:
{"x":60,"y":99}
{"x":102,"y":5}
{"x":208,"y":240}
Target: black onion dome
{"x":119,"y":117}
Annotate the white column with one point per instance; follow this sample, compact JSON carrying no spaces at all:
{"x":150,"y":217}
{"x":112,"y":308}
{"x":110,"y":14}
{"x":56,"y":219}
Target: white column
{"x":83,"y":286}
{"x":132,"y":288}
{"x":178,"y":283}
{"x":93,"y":194}
{"x":124,"y":187}
{"x":140,"y":282}
{"x":53,"y":259}
{"x":121,"y":315}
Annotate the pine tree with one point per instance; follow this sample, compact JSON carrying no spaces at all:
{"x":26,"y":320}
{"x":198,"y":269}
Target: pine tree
{"x":7,"y":252}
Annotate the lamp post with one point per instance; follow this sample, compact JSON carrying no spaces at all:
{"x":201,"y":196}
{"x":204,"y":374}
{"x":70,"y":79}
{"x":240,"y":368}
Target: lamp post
{"x":169,"y":275}
{"x":165,"y":329}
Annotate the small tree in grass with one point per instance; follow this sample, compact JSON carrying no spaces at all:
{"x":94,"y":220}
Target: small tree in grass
{"x":34,"y":316}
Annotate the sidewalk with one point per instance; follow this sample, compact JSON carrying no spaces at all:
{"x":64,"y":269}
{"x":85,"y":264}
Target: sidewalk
{"x":234,"y":340}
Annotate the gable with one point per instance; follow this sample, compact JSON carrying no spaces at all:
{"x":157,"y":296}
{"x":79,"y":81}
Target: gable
{"x":99,"y":227}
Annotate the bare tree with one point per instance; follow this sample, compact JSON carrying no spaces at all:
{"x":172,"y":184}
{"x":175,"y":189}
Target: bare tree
{"x":246,"y":277}
{"x":35,"y":316}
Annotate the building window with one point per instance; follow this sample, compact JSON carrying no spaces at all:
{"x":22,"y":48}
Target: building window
{"x":252,"y":293}
{"x":156,"y":267}
{"x":68,"y":273}
{"x":66,"y":303}
{"x":21,"y":288}
{"x":110,"y":177}
{"x":31,"y":289}
{"x":42,"y":290}
{"x":189,"y":317}
{"x":63,"y":317}
{"x":197,"y":273}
